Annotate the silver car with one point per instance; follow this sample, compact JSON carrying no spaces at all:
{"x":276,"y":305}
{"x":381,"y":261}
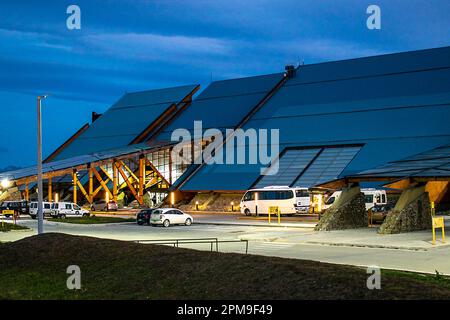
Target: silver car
{"x":169,"y":216}
{"x":102,"y":205}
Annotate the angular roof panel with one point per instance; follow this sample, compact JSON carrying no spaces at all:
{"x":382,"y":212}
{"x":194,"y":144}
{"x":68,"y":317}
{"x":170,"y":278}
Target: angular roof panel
{"x":223,"y":104}
{"x":394,"y":105}
{"x":125,"y":120}
{"x":435,"y":163}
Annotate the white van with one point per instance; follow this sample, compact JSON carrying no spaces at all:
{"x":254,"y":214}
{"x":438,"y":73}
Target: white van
{"x":289,"y":200}
{"x":373,"y":197}
{"x":46,"y":206}
{"x":68,"y":209}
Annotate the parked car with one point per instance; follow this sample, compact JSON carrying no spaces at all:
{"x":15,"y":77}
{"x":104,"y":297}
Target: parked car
{"x":380,"y":211}
{"x":102,"y":205}
{"x":68,"y":209}
{"x":47,"y":209}
{"x":144,"y":216}
{"x":168,"y":216}
{"x":19,"y":207}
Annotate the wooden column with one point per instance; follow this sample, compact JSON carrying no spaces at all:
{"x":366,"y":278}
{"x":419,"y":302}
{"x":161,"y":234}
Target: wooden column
{"x":170,"y":166}
{"x":141,"y":178}
{"x":27,"y":192}
{"x":74,"y":177}
{"x":115,"y":181}
{"x":91,"y":185}
{"x":50,"y":190}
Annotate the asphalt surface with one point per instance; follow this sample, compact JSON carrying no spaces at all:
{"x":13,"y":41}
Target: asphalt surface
{"x":362,"y":247}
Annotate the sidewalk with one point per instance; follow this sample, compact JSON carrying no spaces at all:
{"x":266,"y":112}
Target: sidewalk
{"x":228,"y":218}
{"x":369,"y":238}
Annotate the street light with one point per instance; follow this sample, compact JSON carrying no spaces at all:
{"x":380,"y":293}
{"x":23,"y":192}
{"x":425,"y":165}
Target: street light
{"x":39,"y":166}
{"x":5,"y":183}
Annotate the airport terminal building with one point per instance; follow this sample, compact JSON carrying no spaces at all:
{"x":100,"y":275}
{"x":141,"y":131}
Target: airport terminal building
{"x":382,"y":120}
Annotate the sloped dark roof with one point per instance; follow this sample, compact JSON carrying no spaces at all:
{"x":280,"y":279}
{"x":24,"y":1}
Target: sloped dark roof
{"x":394,"y":105}
{"x":125,"y":120}
{"x":432,"y":163}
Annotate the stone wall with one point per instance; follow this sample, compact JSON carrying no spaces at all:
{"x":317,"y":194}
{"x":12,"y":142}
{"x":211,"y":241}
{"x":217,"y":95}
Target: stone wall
{"x":217,"y":202}
{"x":412,"y":216}
{"x":349,"y":213}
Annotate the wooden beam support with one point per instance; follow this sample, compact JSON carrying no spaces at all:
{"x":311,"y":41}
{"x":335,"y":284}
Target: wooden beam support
{"x":130,"y":186}
{"x":105,"y":172}
{"x":129,"y":170}
{"x":74,"y":179}
{"x":91,"y":185}
{"x":50,"y":189}
{"x":141,"y":177}
{"x":86,"y":195}
{"x":102,"y":183}
{"x":115,"y":181}
{"x":157,"y":172}
{"x":170,"y":167}
{"x":27,"y":191}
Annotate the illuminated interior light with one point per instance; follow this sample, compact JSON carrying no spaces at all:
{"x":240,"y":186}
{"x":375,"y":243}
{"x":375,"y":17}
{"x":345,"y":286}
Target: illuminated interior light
{"x":5,"y":183}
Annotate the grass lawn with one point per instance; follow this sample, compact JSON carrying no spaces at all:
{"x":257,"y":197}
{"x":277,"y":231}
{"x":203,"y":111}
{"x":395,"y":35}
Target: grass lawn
{"x":35,"y":268}
{"x":4,"y":227}
{"x":93,"y":220}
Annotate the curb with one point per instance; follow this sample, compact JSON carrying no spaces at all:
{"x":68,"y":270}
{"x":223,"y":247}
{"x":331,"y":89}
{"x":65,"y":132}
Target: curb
{"x":218,"y":223}
{"x":369,"y":246}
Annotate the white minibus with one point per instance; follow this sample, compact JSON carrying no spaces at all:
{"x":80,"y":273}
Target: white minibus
{"x":289,"y":200}
{"x":373,"y":197}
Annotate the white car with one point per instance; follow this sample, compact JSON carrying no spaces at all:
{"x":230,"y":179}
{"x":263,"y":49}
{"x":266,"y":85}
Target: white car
{"x":68,"y":209}
{"x":168,"y":216}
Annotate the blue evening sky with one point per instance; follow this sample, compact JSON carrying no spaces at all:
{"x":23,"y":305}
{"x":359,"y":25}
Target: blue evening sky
{"x":135,"y":45}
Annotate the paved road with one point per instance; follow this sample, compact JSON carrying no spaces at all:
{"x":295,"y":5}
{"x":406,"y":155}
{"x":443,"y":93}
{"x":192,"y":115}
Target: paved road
{"x":415,"y":252}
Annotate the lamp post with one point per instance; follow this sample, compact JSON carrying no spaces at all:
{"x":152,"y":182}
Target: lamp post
{"x":39,"y":167}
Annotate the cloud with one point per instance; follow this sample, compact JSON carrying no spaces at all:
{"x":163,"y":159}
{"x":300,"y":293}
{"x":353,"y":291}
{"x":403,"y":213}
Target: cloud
{"x":149,"y":46}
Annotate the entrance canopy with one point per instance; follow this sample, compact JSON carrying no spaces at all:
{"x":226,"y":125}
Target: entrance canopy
{"x":432,"y":165}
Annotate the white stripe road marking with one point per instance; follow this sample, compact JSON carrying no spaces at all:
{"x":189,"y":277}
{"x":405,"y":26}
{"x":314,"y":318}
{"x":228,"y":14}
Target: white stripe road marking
{"x":268,"y":246}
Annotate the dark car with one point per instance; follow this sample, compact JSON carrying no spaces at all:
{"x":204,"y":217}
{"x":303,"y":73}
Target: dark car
{"x":19,"y":207}
{"x":144,"y":216}
{"x":379,"y":212}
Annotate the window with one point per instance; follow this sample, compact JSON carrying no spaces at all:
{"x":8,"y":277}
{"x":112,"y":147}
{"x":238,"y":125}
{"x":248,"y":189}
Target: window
{"x":383,"y":196}
{"x":68,"y":206}
{"x":302,"y":194}
{"x":46,"y":205}
{"x":330,"y":200}
{"x":290,"y":165}
{"x":249,"y":196}
{"x":378,"y":198}
{"x":276,"y":195}
{"x":327,"y":166}
{"x":76,"y":207}
{"x":369,"y":198}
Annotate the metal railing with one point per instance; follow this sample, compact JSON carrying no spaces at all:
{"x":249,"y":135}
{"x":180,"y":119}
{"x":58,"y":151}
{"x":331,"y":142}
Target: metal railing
{"x":177,"y":242}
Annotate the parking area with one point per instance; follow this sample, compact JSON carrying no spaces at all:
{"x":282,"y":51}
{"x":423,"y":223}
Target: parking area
{"x":362,"y":247}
